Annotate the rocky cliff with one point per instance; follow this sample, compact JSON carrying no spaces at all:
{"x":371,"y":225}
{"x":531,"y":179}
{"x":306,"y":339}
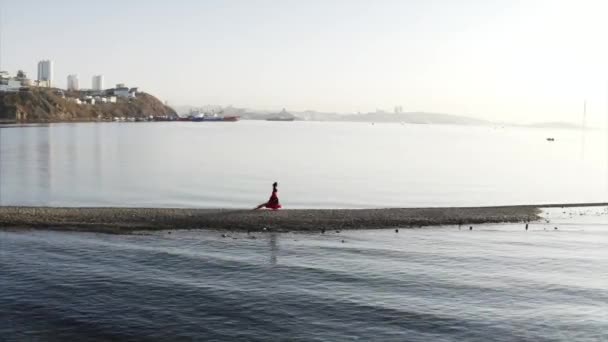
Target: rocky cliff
{"x":46,"y":105}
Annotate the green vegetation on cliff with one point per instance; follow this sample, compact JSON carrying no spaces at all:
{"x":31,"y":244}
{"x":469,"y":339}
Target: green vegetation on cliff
{"x":46,"y":105}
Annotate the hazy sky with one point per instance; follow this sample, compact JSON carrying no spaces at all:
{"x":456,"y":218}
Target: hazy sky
{"x":502,"y":60}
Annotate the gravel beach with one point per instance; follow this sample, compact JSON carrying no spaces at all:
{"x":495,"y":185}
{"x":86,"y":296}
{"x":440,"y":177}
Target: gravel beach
{"x":124,"y":220}
{"x":120,"y":220}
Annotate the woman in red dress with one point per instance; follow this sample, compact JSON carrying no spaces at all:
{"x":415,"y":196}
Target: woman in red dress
{"x":273,"y":202}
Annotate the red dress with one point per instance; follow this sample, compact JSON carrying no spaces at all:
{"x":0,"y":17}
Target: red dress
{"x":273,"y":202}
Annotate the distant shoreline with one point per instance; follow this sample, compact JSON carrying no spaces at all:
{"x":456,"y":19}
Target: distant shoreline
{"x":564,"y":126}
{"x":126,"y":220}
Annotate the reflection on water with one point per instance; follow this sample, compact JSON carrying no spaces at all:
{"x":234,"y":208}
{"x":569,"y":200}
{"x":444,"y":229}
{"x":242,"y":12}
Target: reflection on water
{"x":318,"y":165}
{"x":274,"y":248}
{"x":496,"y":283}
{"x":25,"y":164}
{"x":43,"y":170}
{"x":97,"y":155}
{"x":71,"y":162}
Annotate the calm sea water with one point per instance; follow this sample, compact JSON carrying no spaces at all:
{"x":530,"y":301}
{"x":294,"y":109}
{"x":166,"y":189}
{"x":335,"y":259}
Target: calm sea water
{"x":495,"y":283}
{"x":318,"y":165}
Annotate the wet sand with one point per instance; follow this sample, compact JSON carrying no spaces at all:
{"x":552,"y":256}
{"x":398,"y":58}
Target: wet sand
{"x":124,"y":220}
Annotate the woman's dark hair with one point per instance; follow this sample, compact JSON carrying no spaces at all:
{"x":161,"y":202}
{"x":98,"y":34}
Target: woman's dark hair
{"x":275,"y":184}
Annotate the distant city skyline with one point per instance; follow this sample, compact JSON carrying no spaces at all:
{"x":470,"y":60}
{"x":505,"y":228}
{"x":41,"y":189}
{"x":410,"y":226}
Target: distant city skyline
{"x":502,"y":60}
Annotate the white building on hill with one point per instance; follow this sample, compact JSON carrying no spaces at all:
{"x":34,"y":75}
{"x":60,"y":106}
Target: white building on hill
{"x":125,"y":92}
{"x":45,"y":73}
{"x":73,"y":83}
{"x":9,"y":85}
{"x":97,"y":83}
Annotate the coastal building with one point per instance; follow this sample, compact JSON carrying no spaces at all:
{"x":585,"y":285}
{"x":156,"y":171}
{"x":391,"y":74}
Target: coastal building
{"x":9,"y":85}
{"x":104,"y":99}
{"x":132,"y":92}
{"x":43,"y":84}
{"x":88,"y":100}
{"x":98,"y":83}
{"x":122,"y":91}
{"x":73,"y":83}
{"x":45,"y":73}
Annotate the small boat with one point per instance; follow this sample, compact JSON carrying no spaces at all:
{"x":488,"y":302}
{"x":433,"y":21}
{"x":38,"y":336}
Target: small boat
{"x":550,"y":139}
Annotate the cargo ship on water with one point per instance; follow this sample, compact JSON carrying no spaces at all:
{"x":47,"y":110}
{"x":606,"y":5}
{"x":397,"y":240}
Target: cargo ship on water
{"x":198,"y":116}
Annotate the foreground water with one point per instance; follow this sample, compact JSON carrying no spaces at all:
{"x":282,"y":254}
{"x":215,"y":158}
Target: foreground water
{"x":318,"y":165}
{"x":497,"y":282}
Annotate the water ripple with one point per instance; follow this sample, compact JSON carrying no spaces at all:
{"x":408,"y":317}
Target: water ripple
{"x":435,"y":284}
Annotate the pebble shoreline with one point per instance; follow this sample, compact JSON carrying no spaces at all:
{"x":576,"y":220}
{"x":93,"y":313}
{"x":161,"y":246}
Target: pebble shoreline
{"x":130,"y":219}
{"x":125,"y":220}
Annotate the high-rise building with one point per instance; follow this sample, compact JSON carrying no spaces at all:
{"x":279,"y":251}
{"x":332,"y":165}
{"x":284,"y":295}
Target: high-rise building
{"x":98,"y":82}
{"x":45,"y":73}
{"x":73,"y":82}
